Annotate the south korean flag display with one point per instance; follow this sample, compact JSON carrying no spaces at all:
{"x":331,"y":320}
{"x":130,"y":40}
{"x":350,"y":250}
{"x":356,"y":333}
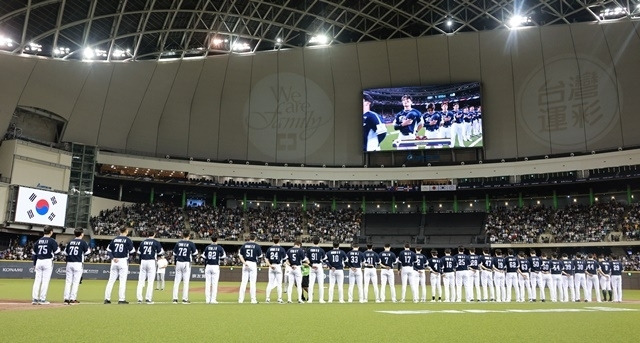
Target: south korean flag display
{"x":36,"y":206}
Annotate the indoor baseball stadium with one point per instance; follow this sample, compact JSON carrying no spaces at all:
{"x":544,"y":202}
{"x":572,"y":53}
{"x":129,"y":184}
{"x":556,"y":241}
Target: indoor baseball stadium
{"x":205,"y":157}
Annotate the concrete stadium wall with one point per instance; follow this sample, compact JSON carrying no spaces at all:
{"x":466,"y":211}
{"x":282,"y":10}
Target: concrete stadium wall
{"x":546,"y":90}
{"x":33,"y":165}
{"x":100,"y":271}
{"x":98,"y":204}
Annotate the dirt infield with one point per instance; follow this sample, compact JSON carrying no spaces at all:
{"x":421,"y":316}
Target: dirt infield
{"x":19,"y":305}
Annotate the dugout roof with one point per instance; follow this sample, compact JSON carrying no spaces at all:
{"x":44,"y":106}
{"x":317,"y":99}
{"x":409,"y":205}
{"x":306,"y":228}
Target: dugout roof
{"x":157,"y":29}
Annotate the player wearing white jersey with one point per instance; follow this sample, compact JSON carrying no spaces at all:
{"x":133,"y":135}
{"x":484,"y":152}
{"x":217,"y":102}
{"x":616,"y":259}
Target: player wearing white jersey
{"x":43,"y":251}
{"x":160,"y":272}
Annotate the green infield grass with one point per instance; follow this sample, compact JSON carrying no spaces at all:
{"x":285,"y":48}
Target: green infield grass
{"x":228,"y":321}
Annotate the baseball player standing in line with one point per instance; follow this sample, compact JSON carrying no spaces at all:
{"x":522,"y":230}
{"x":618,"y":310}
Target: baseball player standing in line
{"x":43,"y":251}
{"x":534,"y":274}
{"x":407,"y":258}
{"x":419,"y":277}
{"x":435,"y":268}
{"x":592,"y":271}
{"x":295,"y":258}
{"x":336,"y":260}
{"x":499,"y":268}
{"x":448,"y":276}
{"x":486,"y":276}
{"x":274,"y":257}
{"x":75,"y":251}
{"x":355,"y":259}
{"x":523,"y":277}
{"x":567,"y":279}
{"x":250,"y":254}
{"x":579,"y":279}
{"x":605,"y":278}
{"x":545,"y":278}
{"x":162,"y":269}
{"x":149,"y":250}
{"x":557,"y":293}
{"x":213,"y":254}
{"x":317,"y":258}
{"x":616,"y":278}
{"x":371,"y":260}
{"x":512,"y":275}
{"x":474,"y":273}
{"x":119,"y":250}
{"x":183,"y":253}
{"x":462,"y":276}
{"x":373,"y":128}
{"x":387,"y":259}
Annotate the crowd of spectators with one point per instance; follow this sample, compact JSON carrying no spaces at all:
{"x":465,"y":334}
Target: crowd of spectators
{"x":575,"y":223}
{"x":226,"y":223}
{"x":168,"y":220}
{"x":341,"y":225}
{"x":267,"y":222}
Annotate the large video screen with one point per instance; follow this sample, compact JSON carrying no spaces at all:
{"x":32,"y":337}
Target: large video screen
{"x":426,"y":117}
{"x":37,"y":206}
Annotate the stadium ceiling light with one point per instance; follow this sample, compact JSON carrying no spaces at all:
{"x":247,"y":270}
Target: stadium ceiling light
{"x":32,"y":48}
{"x":518,"y":21}
{"x":240,"y":46}
{"x":449,"y":22}
{"x":61,"y":51}
{"x":320,"y":39}
{"x":119,"y":53}
{"x":6,"y":42}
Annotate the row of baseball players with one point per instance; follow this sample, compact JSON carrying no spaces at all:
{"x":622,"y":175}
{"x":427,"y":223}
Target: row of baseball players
{"x":497,"y":274}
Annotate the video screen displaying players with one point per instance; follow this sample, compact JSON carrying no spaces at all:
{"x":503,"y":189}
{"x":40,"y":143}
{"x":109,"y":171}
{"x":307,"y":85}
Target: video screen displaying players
{"x":425,"y":117}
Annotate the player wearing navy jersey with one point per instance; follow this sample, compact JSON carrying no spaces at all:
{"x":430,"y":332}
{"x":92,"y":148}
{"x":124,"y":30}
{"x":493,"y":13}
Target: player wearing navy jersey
{"x":474,"y":273}
{"x":523,"y":277}
{"x":447,"y":120}
{"x":387,"y":260}
{"x":467,"y":117}
{"x":605,"y":277}
{"x":407,"y":259}
{"x":556,"y":276}
{"x":295,"y":258}
{"x":371,"y":261}
{"x":43,"y":251}
{"x":355,"y":260}
{"x":373,"y":128}
{"x":592,"y":271}
{"x":534,"y":273}
{"x":511,"y":279}
{"x":545,"y":278}
{"x":76,"y":250}
{"x":568,"y":289}
{"x":119,"y":250}
{"x":499,"y":277}
{"x":579,"y":277}
{"x":408,"y":121}
{"x":462,"y":276}
{"x":616,"y":278}
{"x":183,"y":253}
{"x":435,"y":268}
{"x":486,"y":276}
{"x":457,"y":128}
{"x":336,"y":259}
{"x":213,"y":254}
{"x":419,"y":274}
{"x":250,"y":254}
{"x":432,"y":121}
{"x":317,"y":259}
{"x":149,"y":250}
{"x":448,"y":276}
{"x":274,"y":258}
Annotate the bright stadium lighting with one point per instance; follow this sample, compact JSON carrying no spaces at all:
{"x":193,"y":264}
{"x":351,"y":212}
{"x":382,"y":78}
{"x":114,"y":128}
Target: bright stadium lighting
{"x":32,"y":48}
{"x":60,"y":51}
{"x":518,"y":20}
{"x":449,"y":22}
{"x":6,"y":42}
{"x":119,"y":53}
{"x":319,"y":39}
{"x":278,"y":40}
{"x":240,"y":46}
{"x":88,"y":53}
{"x":613,"y":13}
